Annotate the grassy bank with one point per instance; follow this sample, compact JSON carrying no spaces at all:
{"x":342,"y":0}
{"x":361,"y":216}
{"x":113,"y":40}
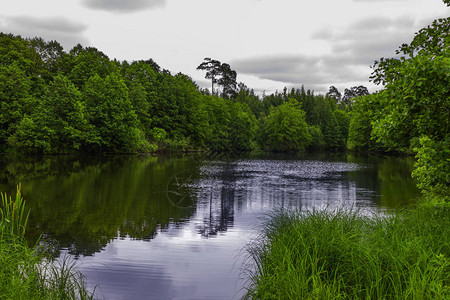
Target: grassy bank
{"x":31,"y":273}
{"x":346,"y":255}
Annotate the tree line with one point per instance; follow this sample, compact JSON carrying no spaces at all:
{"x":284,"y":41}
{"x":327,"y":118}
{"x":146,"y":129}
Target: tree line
{"x":81,"y":101}
{"x":411,"y":114}
{"x":52,"y":101}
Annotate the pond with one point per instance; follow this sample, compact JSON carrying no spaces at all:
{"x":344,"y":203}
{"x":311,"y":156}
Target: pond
{"x":174,"y":227}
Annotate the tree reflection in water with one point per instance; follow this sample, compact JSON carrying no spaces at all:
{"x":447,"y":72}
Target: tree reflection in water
{"x":85,"y":202}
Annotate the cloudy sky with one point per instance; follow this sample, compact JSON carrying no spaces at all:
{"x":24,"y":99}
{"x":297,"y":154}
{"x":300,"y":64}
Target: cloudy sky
{"x":270,"y":43}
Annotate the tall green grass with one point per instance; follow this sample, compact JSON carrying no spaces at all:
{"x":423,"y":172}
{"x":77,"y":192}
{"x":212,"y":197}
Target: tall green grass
{"x":13,"y":219}
{"x":346,"y":255}
{"x":30,"y":273}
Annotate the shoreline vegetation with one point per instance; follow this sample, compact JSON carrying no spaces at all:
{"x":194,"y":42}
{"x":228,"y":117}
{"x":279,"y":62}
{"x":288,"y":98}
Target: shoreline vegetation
{"x":403,"y":254}
{"x":350,"y":255}
{"x":31,"y":272}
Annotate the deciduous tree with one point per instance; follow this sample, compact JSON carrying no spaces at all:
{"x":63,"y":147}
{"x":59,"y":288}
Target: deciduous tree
{"x":110,"y":112}
{"x":285,"y":128}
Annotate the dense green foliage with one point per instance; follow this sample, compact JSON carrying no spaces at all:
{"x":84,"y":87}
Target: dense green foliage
{"x":345,"y":255}
{"x":433,"y":167}
{"x":285,"y":128}
{"x":81,"y":101}
{"x":360,"y":128}
{"x":411,"y":114}
{"x":29,"y":273}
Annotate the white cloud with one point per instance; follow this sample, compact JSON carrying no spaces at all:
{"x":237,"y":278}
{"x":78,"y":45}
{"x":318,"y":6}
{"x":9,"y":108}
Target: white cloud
{"x":315,"y":72}
{"x":123,"y":6}
{"x":65,"y":31}
{"x":353,"y":49}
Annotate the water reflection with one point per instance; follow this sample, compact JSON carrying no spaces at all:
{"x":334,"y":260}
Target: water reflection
{"x":233,"y":186}
{"x":197,"y":211}
{"x":84,"y":203}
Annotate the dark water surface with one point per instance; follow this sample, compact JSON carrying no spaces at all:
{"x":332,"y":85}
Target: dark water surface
{"x":171,"y":227}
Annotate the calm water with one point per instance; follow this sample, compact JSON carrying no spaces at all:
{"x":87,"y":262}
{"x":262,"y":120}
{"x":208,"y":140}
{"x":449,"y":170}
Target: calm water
{"x":167,"y":227}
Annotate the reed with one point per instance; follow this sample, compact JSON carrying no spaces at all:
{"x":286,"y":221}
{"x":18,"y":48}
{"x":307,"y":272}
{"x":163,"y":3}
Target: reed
{"x":346,"y":255}
{"x":13,"y":219}
{"x":30,"y":273}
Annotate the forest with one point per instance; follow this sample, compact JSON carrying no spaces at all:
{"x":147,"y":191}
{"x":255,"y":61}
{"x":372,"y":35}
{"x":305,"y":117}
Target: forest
{"x":83,"y":102}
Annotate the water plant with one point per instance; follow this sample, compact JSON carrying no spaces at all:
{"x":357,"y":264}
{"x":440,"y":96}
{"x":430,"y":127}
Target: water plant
{"x":13,"y":219}
{"x":349,"y":255}
{"x":31,"y":273}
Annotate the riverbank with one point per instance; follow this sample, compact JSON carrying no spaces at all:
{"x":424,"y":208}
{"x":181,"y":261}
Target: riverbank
{"x":349,"y":255}
{"x":31,"y":273}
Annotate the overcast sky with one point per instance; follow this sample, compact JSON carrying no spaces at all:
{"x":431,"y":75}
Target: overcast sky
{"x":270,"y":43}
